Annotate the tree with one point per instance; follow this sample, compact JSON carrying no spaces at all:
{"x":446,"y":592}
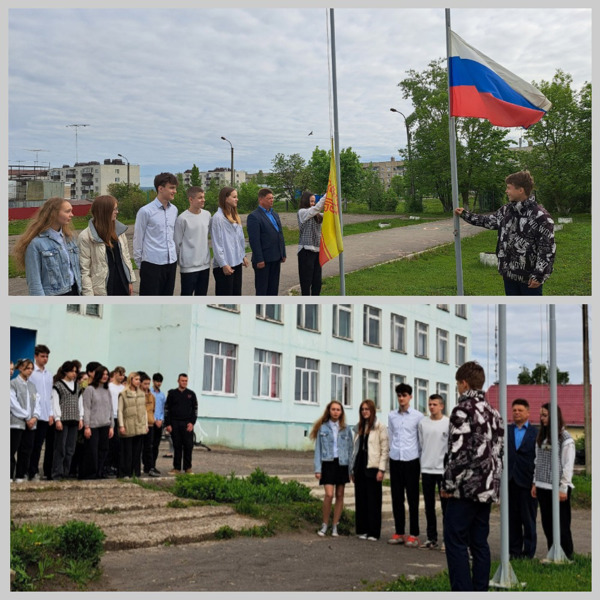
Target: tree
{"x":561,"y":157}
{"x":372,"y":192}
{"x":288,"y":176}
{"x":248,"y":196}
{"x":540,"y":375}
{"x":181,"y":200}
{"x":211,"y":196}
{"x":195,"y":179}
{"x":130,"y":198}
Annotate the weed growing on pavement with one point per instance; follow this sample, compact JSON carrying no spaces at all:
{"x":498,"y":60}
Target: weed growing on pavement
{"x":43,"y":555}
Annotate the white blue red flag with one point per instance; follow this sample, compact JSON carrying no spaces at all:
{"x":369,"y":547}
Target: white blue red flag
{"x":481,"y":88}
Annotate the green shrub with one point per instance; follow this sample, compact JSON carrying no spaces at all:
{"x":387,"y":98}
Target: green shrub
{"x":224,"y":533}
{"x":82,"y":541}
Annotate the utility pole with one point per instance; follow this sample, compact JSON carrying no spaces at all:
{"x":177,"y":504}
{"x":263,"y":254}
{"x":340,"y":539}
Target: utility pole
{"x":586,"y":392}
{"x":77,"y":126}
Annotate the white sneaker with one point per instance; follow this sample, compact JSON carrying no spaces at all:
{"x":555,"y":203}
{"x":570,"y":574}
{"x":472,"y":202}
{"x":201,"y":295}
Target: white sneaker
{"x":334,"y":531}
{"x":372,"y":539}
{"x":20,"y":480}
{"x":323,"y":530}
{"x":362,"y":536}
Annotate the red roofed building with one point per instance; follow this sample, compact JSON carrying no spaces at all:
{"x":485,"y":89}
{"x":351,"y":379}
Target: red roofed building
{"x":570,"y":400}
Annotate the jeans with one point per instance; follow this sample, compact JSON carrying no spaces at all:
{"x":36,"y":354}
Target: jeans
{"x":429,"y":482}
{"x":467,"y":525}
{"x":516,"y":288}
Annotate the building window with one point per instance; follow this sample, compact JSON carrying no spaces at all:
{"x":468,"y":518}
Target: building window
{"x":117,"y":179}
{"x":421,"y":339}
{"x":90,"y":310}
{"x":445,"y":307}
{"x":371,"y":386}
{"x":117,"y":171}
{"x":269,"y":312}
{"x":461,"y":311}
{"x":307,"y":380}
{"x":341,"y":384}
{"x":342,"y":321}
{"x":461,"y":350}
{"x":420,"y":394}
{"x":442,"y":389}
{"x":220,"y":362}
{"x":395,"y":379}
{"x":267,"y":372}
{"x":372,"y":326}
{"x":229,"y":307}
{"x":398,"y":333}
{"x":308,"y":317}
{"x":442,"y":346}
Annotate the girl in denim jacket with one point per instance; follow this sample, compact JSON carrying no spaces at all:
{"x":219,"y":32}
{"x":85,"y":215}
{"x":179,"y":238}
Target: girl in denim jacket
{"x":49,"y":252}
{"x":333,"y":451}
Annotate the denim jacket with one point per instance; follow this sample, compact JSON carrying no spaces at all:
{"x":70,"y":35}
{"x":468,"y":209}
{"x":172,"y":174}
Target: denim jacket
{"x":324,"y":446}
{"x":46,"y":269}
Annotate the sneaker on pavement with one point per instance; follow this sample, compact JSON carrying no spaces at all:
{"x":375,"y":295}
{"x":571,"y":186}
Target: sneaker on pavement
{"x":153,"y":473}
{"x":372,"y":539}
{"x":189,"y":471}
{"x":429,"y":545}
{"x":323,"y":530}
{"x":411,"y":541}
{"x":334,"y":531}
{"x":174,"y":472}
{"x":362,"y":536}
{"x":443,"y":548}
{"x":19,"y":480}
{"x":397,"y":538}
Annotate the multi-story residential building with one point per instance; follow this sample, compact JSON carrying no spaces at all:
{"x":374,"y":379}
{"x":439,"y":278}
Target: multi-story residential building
{"x":93,"y":178}
{"x":221,"y":175}
{"x":386,"y":169}
{"x":263,"y":373}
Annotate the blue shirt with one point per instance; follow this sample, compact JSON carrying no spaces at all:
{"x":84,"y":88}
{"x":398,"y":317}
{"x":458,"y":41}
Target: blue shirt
{"x":159,"y":406}
{"x":520,"y":433}
{"x":269,"y":214}
{"x":153,"y":234}
{"x":403,"y":428}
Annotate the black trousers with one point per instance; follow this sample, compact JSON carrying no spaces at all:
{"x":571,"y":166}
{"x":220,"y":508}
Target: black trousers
{"x":156,"y":443}
{"x":266,"y":280}
{"x":404,"y":477}
{"x":130,"y":455}
{"x":148,"y":449}
{"x":65,"y":441}
{"x":309,"y":272}
{"x":95,"y":451}
{"x":522,"y":514}
{"x":564,"y":512}
{"x":194,"y":283}
{"x":228,"y":285}
{"x":183,"y":444}
{"x":21,"y":443}
{"x":429,"y":482}
{"x":41,"y":431}
{"x":368,"y":494}
{"x":157,"y":280}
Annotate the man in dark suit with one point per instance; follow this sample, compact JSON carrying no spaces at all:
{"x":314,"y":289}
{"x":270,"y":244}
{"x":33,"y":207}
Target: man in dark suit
{"x":265,"y":235}
{"x":522,"y":508}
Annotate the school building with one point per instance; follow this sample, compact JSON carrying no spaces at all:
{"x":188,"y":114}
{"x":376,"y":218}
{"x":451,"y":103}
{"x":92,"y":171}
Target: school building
{"x":263,"y":373}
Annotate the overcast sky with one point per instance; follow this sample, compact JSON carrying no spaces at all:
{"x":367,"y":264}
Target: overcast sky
{"x":161,"y":86}
{"x":528,"y":339}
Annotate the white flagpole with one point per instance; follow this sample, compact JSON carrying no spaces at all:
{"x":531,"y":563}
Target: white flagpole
{"x":454,"y":171}
{"x":336,"y":145}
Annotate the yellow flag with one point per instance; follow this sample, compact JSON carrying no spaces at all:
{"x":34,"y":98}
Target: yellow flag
{"x":331,"y":230}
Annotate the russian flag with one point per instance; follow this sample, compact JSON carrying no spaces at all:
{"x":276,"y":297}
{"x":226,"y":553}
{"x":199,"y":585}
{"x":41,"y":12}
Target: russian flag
{"x":481,"y":88}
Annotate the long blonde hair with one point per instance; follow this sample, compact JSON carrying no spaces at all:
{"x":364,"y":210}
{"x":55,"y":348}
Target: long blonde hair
{"x":43,"y":219}
{"x":230,"y":212}
{"x":325,"y":417}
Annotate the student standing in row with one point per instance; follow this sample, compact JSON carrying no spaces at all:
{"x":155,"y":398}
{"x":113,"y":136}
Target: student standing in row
{"x":133,"y":426}
{"x":153,"y":244}
{"x":309,"y":224}
{"x":191,"y":241}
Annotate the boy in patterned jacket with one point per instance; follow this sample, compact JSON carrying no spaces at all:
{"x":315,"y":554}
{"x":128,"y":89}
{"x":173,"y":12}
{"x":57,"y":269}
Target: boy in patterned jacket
{"x":525,"y":247}
{"x":471,"y":480}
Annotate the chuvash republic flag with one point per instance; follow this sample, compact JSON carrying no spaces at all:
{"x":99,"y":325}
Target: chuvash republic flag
{"x":481,"y":88}
{"x":331,"y":231}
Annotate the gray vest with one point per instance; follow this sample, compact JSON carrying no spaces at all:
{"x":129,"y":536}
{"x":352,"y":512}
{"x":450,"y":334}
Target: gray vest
{"x":69,"y":402}
{"x":310,"y":233}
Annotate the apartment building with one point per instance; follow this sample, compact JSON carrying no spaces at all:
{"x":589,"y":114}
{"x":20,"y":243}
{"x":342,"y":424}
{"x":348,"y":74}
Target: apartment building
{"x":386,"y":169}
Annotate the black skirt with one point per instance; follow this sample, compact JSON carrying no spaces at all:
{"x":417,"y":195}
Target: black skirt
{"x":332,"y":473}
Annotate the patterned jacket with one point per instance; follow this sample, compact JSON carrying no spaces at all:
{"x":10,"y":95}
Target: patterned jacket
{"x":475,"y":450}
{"x":525,"y":245}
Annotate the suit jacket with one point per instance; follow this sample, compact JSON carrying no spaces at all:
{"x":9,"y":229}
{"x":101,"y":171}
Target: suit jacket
{"x":521,"y":462}
{"x":266,"y":242}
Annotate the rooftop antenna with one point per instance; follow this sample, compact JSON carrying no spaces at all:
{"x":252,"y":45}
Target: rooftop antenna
{"x":77,"y":126}
{"x":36,"y":150}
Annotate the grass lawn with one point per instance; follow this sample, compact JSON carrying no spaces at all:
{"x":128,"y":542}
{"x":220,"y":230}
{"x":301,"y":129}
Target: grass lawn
{"x":433,"y":273}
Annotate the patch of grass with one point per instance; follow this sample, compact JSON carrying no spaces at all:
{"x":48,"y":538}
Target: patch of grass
{"x":582,"y":492}
{"x":46,"y":557}
{"x":434,"y":272}
{"x":538,"y":577}
{"x":224,"y":533}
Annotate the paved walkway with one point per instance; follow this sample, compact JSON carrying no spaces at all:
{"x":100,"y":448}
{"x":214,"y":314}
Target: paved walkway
{"x":360,"y":251}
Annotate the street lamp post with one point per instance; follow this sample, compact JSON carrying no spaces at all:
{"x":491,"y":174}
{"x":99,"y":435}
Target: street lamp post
{"x":127,"y":161}
{"x":412,"y":176}
{"x":232,"y":175}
